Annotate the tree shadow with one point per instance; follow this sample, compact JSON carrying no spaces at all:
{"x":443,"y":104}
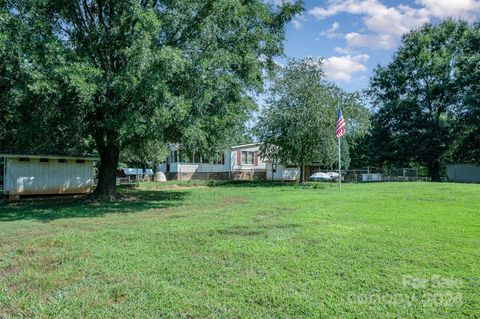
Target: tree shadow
{"x":263,"y":183}
{"x":246,"y":183}
{"x":48,"y":209}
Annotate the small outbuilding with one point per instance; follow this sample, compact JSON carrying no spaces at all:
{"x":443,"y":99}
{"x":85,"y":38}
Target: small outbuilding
{"x":46,"y":174}
{"x":464,"y":172}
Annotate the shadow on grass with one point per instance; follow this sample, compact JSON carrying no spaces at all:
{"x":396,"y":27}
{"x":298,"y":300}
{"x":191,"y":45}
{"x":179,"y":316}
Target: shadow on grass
{"x":240,"y":183}
{"x":47,"y":209}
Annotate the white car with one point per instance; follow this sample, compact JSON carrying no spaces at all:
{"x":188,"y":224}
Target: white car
{"x":333,"y":175}
{"x":320,"y":177}
{"x":323,"y":177}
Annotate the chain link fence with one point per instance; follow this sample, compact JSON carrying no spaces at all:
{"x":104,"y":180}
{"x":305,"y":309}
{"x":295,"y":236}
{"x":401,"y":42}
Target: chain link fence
{"x":376,"y":174}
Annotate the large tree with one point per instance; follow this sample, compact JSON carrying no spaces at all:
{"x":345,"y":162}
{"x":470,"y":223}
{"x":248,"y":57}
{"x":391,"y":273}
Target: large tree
{"x":297,"y":124}
{"x":113,"y":70}
{"x":419,"y":96}
{"x":466,"y":146}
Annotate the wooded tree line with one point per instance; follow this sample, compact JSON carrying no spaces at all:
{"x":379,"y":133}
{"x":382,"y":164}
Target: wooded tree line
{"x":426,"y":101}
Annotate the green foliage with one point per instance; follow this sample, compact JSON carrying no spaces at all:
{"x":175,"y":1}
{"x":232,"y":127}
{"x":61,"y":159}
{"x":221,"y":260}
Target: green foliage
{"x":298,"y":123}
{"x":144,"y":152}
{"x":113,"y":71}
{"x":425,"y":97}
{"x":466,"y":145}
{"x":245,"y":251}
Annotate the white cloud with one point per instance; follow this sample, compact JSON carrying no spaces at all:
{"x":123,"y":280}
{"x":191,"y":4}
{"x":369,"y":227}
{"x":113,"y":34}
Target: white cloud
{"x":298,"y":21}
{"x":297,"y":24}
{"x":377,"y":41}
{"x":332,"y":32}
{"x":343,"y":68}
{"x":385,"y":25}
{"x":467,"y":9}
{"x":343,"y":50}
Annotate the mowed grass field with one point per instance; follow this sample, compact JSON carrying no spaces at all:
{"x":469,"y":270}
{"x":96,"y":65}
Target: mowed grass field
{"x":253,"y":250}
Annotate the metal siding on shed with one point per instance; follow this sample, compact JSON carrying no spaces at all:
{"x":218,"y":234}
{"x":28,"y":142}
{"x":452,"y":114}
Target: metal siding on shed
{"x":34,"y":177}
{"x":468,"y":173}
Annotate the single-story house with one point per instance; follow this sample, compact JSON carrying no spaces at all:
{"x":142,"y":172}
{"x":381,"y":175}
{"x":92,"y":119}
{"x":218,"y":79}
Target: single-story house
{"x":464,"y":172}
{"x":237,"y":162}
{"x":26,"y":174}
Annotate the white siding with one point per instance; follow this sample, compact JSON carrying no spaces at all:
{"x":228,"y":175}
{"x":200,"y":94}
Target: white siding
{"x":34,"y":177}
{"x":239,"y":166}
{"x":197,"y":167}
{"x":202,"y":168}
{"x":282,"y":173}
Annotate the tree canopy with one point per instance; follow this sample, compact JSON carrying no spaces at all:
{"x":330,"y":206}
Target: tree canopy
{"x":111,"y":71}
{"x":297,"y":125}
{"x":426,"y":97}
{"x":466,"y":144}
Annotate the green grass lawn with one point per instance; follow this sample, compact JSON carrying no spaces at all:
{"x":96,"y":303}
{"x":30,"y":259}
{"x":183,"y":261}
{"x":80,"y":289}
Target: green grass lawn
{"x":390,"y":250}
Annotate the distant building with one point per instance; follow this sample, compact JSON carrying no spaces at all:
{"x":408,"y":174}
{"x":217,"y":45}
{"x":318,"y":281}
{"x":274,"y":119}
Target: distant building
{"x":46,"y":174}
{"x":464,"y":172}
{"x":237,"y":162}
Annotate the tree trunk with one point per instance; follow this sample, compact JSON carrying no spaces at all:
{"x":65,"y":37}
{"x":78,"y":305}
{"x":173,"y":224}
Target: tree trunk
{"x":434,"y":170}
{"x":107,"y":174}
{"x":144,"y":170}
{"x":302,"y":173}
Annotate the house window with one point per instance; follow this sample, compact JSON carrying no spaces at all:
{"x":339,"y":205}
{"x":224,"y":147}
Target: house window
{"x":80,"y":161}
{"x":24,"y":159}
{"x":174,"y":156}
{"x":44,"y":160}
{"x":274,"y":168}
{"x":62,"y":160}
{"x":248,"y":157}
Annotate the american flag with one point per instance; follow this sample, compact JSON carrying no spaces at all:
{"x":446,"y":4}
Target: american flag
{"x":341,"y":125}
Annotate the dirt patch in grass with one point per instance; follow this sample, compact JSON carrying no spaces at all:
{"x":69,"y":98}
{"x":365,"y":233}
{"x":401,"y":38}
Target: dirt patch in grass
{"x":254,"y":230}
{"x":242,"y":231}
{"x":233,"y":200}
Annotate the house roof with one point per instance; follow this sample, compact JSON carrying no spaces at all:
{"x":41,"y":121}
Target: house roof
{"x":245,"y":145}
{"x":51,"y":156}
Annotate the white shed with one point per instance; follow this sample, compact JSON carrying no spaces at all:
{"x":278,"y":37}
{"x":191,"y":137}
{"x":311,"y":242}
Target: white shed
{"x":47,"y":174}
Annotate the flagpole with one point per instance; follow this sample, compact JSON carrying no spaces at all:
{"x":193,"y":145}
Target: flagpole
{"x":339,"y":166}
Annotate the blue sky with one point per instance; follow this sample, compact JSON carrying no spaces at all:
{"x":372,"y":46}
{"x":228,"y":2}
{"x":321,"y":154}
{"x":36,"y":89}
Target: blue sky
{"x":355,"y":36}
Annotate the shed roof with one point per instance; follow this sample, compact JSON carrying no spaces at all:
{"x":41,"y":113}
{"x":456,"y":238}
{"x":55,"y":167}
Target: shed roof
{"x":51,"y":156}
